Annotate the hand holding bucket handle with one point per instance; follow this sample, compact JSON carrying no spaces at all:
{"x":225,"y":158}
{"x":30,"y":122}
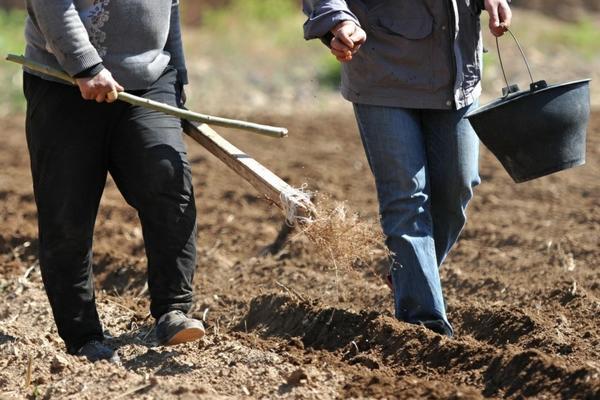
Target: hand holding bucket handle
{"x":535,"y":132}
{"x":500,"y":16}
{"x":508,"y":89}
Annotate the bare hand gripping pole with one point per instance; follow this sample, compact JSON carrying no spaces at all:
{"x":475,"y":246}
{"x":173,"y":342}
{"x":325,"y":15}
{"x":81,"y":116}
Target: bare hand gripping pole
{"x":296,"y":204}
{"x":266,"y":130}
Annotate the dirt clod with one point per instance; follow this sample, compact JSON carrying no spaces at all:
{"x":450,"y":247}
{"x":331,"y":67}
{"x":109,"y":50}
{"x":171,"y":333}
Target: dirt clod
{"x":58,"y":364}
{"x":298,"y":377}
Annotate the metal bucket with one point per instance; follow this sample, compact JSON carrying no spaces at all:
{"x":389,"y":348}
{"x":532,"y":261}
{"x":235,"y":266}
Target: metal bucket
{"x":536,"y":132}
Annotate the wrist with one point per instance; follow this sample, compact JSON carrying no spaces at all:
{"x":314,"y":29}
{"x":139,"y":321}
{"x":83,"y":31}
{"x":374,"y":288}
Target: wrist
{"x":89,"y":72}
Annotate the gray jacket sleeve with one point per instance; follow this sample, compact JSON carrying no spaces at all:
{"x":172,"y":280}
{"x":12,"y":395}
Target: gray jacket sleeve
{"x":65,"y":34}
{"x":174,"y":45}
{"x":323,"y":15}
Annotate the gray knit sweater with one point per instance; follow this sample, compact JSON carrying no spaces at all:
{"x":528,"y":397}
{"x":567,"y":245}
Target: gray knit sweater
{"x":134,"y":39}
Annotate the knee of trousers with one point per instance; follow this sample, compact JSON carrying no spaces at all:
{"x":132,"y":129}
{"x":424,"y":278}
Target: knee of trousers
{"x":453,"y":200}
{"x":168,"y":180}
{"x":405,"y":214}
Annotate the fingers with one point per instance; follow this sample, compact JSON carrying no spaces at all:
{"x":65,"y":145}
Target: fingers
{"x":87,"y":94}
{"x":344,"y":59}
{"x":494,"y":19}
{"x":343,"y":32}
{"x":111,"y":96}
{"x":347,"y":40}
{"x":100,"y":97}
{"x":505,"y":15}
{"x":342,"y":55}
{"x":344,"y":37}
{"x":358,"y":37}
{"x":101,"y":87}
{"x":500,"y":17}
{"x":339,"y":49}
{"x":101,"y":94}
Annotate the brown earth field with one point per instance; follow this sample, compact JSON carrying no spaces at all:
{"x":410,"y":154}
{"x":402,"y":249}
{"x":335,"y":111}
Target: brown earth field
{"x":522,"y":287}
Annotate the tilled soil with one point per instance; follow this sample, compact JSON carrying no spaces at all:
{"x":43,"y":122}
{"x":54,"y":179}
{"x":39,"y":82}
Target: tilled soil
{"x":522,"y":287}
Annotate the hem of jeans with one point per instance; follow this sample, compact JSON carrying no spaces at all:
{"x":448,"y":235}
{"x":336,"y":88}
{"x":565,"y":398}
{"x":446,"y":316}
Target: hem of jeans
{"x":435,"y":323}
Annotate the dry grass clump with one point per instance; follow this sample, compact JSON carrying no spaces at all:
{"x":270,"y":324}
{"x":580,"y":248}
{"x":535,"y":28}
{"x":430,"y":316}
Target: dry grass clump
{"x":340,"y":235}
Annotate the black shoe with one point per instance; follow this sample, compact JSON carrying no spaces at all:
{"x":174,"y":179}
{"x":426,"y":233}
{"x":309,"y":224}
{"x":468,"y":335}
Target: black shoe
{"x":95,"y":350}
{"x":175,"y":327}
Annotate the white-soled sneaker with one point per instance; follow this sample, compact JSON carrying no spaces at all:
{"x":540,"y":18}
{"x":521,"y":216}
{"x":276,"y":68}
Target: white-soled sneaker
{"x":175,"y":327}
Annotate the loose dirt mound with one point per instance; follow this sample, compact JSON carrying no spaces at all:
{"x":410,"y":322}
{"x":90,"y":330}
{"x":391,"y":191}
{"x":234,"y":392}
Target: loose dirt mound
{"x":373,"y":340}
{"x":522,"y":286}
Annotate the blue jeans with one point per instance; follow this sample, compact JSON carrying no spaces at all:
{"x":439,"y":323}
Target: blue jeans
{"x":425,"y":164}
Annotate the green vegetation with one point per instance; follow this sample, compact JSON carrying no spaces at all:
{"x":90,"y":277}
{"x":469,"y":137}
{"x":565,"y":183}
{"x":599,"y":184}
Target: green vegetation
{"x":256,"y":11}
{"x":582,"y":37}
{"x":266,"y":36}
{"x":270,"y":22}
{"x":11,"y":41}
{"x":11,"y":35}
{"x":254,"y":51}
{"x":329,"y":71}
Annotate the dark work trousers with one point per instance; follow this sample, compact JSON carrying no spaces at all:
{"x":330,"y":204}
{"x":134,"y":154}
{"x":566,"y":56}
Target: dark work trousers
{"x":73,"y":144}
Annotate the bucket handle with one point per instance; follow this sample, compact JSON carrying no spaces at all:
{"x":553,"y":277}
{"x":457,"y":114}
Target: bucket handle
{"x":509,"y":89}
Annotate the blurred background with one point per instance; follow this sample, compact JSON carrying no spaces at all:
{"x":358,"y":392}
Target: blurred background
{"x":248,"y":56}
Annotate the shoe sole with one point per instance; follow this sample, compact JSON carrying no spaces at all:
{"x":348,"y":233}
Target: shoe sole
{"x":186,"y":335}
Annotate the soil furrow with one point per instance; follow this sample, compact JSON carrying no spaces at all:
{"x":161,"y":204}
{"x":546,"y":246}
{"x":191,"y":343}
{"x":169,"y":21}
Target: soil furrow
{"x":499,"y":371}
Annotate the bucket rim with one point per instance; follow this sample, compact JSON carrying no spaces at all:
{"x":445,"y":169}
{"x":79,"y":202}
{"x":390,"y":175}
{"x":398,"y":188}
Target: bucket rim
{"x":517,"y":178}
{"x":499,"y":102}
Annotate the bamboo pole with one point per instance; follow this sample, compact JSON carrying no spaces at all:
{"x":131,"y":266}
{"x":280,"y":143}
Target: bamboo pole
{"x":271,"y":131}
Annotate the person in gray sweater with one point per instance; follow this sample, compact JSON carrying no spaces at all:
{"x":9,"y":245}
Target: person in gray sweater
{"x":412,"y":70}
{"x":75,"y":138}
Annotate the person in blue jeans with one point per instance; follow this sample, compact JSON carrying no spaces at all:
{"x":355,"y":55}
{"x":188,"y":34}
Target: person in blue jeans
{"x":412,"y":70}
